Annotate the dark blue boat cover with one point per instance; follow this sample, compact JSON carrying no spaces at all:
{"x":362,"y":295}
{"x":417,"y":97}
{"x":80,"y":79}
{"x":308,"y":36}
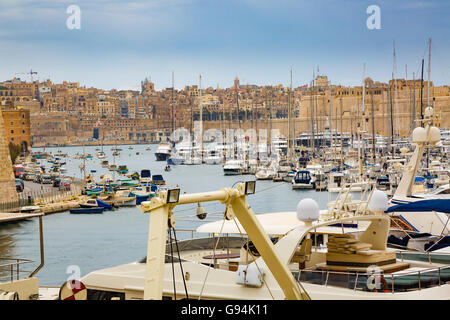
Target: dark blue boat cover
{"x":439,"y":205}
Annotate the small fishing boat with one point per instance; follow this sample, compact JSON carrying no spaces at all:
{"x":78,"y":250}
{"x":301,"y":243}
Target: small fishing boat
{"x":95,"y":191}
{"x":128,"y":183}
{"x":143,"y":193}
{"x":158,"y":179}
{"x":122,"y":169}
{"x":135,"y":176}
{"x":96,"y":203}
{"x":87,"y":210}
{"x":146,"y":176}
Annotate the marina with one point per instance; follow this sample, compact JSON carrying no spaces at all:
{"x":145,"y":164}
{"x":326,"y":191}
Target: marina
{"x":206,"y":152}
{"x":89,"y":236}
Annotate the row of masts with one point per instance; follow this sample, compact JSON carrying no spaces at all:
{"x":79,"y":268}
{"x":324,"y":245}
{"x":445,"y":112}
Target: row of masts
{"x":313,"y":111}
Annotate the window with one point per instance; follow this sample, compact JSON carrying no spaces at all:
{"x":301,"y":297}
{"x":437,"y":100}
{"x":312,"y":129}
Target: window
{"x":12,"y":131}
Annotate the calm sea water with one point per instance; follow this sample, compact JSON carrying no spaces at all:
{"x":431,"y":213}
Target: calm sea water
{"x":92,"y":242}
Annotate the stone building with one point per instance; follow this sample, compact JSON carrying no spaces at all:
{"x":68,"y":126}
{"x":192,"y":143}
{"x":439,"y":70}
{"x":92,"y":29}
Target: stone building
{"x":7,"y":181}
{"x":16,"y":124}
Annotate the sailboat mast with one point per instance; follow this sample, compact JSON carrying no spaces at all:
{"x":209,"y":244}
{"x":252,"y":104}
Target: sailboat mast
{"x":421,"y":93}
{"x":270,"y":124}
{"x":395,"y":95}
{"x":360,"y":128}
{"x":413,"y":112}
{"x":289,"y":125}
{"x":173,"y":115}
{"x":312,"y":116}
{"x":391,"y":132}
{"x":429,"y":70}
{"x":373,"y":128}
{"x":201,"y":117}
{"x":292,"y":118}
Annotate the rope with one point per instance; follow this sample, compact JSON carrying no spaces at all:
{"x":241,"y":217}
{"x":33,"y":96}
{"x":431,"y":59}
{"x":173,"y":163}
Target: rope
{"x":256,"y":264}
{"x":181,"y":265}
{"x":215,"y":247}
{"x":173,"y":267}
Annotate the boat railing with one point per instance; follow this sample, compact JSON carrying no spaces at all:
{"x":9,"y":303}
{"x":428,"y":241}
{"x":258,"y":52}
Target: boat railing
{"x":376,"y":281}
{"x":341,"y":204}
{"x":427,"y":256}
{"x":10,"y":269}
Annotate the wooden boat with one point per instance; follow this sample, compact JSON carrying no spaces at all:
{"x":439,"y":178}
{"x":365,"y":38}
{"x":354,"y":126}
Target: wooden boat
{"x":96,"y":203}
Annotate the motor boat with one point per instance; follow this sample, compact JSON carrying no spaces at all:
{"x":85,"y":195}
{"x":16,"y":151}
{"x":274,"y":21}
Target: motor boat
{"x":163,"y":152}
{"x":233,"y":167}
{"x":303,"y":180}
{"x":305,"y":254}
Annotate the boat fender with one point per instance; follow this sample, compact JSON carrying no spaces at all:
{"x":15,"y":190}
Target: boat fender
{"x":249,"y":275}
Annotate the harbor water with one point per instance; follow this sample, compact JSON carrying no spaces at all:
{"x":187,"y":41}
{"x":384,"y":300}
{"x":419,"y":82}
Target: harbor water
{"x":78,"y":244}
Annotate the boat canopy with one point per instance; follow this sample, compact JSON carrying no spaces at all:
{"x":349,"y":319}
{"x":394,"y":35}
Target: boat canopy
{"x":439,"y":205}
{"x":145,"y":173}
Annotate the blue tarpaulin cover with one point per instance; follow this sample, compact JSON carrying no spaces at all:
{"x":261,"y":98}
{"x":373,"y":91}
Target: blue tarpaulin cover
{"x":439,"y":205}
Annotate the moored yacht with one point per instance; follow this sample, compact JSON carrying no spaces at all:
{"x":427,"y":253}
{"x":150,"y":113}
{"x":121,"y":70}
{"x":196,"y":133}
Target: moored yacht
{"x":234,"y":167}
{"x":285,"y":255}
{"x":163,"y":151}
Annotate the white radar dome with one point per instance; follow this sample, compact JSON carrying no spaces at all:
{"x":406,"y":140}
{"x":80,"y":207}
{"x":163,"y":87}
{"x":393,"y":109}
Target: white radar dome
{"x":308,"y":210}
{"x":419,"y":135}
{"x":435,"y":135}
{"x":379,"y":201}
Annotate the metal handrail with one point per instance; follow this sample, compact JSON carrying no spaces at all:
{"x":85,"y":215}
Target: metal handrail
{"x":10,"y":268}
{"x":357,"y":274}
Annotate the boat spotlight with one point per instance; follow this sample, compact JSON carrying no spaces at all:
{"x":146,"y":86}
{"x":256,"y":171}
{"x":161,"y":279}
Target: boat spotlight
{"x":173,"y":195}
{"x":250,"y":187}
{"x":201,"y":212}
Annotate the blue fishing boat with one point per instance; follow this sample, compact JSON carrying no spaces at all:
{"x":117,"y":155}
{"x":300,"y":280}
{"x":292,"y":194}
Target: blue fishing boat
{"x":96,"y":203}
{"x":143,"y":193}
{"x":92,"y":210}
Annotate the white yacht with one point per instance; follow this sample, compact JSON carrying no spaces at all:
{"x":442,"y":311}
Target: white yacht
{"x":303,"y":179}
{"x":284,"y":255}
{"x":163,"y":152}
{"x":234,"y":167}
{"x":425,"y":212}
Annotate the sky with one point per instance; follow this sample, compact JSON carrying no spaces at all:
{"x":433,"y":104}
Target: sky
{"x":121,"y":42}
